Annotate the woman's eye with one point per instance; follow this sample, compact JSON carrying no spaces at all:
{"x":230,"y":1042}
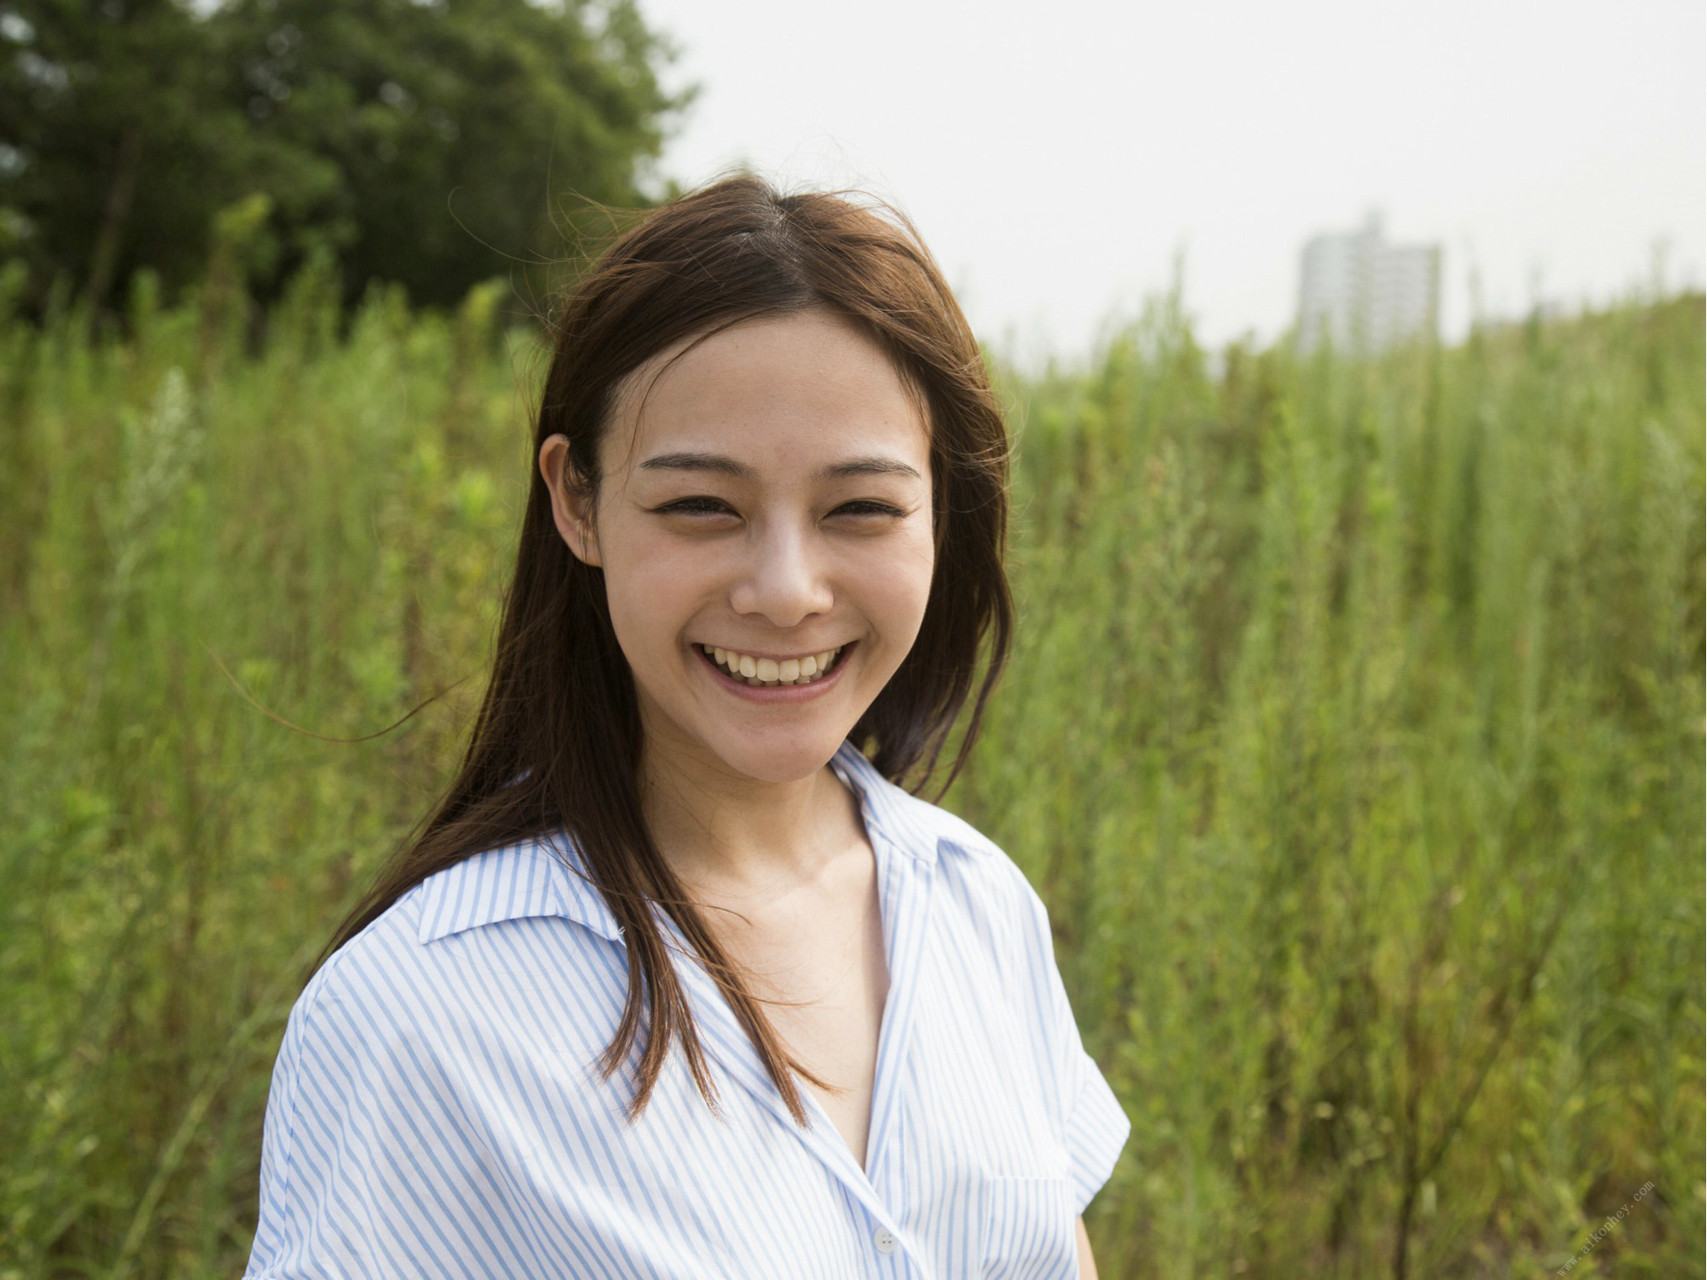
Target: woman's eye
{"x":695,"y":507}
{"x":717,"y":507}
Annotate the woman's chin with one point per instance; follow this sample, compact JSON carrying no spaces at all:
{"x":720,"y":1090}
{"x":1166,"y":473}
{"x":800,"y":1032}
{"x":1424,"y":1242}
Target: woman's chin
{"x":780,"y":762}
{"x":767,"y":744}
{"x":779,"y":754}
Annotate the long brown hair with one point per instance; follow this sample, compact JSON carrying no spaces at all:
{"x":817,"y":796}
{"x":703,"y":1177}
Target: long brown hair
{"x":556,"y":745}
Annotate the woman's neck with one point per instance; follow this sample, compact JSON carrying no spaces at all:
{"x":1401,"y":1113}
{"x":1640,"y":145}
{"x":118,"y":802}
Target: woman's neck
{"x":730,"y":836}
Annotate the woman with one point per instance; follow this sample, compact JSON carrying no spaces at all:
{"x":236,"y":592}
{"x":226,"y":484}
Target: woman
{"x":765,"y":539}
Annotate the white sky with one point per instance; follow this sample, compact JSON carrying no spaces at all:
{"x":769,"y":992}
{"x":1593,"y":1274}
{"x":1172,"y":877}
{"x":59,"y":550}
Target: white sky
{"x":1057,"y":156}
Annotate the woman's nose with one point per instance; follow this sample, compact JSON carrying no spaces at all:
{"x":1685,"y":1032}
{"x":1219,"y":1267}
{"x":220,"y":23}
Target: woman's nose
{"x":783,"y":579}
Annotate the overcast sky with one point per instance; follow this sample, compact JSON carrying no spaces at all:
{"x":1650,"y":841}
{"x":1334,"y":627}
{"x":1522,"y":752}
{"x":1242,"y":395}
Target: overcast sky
{"x":1058,"y":156}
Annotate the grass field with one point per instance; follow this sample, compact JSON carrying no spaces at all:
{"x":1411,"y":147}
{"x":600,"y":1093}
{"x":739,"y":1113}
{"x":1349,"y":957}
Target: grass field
{"x":1354,"y":735}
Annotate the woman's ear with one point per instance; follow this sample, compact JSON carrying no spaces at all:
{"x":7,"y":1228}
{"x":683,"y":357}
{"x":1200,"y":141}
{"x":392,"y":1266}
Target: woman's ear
{"x":571,"y":500}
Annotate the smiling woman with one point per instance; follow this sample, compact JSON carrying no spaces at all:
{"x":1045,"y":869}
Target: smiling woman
{"x":749,"y":525}
{"x":760,"y":567}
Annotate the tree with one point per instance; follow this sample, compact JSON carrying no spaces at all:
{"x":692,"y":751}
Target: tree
{"x":98,"y":104}
{"x":415,"y":141}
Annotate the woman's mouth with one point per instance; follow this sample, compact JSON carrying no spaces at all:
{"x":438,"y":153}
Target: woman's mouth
{"x":772,"y":673}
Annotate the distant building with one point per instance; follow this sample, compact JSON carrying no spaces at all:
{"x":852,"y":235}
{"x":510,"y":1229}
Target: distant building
{"x":1364,"y":295}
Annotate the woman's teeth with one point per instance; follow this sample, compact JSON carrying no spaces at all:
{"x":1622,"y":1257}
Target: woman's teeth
{"x":768,"y":672}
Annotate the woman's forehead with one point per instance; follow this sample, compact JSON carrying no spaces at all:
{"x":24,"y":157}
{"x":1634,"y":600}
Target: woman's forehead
{"x":806,"y":384}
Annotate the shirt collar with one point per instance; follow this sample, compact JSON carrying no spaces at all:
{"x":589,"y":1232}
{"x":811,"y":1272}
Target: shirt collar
{"x":512,"y":883}
{"x":912,"y":825}
{"x":539,"y":877}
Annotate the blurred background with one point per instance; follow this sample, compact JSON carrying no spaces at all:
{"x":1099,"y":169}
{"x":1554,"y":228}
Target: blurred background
{"x":1354,"y":357}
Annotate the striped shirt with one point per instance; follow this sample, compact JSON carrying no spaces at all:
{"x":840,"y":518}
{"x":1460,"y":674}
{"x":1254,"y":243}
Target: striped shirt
{"x":436,"y":1109}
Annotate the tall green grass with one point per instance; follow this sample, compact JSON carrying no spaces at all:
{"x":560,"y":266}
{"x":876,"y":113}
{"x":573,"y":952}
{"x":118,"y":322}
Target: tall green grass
{"x":1354,"y":734}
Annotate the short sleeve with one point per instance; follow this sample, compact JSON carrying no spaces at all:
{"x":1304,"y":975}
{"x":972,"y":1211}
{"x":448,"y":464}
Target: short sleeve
{"x":1095,"y":1127}
{"x":369,"y":1163}
{"x":316,"y":1153}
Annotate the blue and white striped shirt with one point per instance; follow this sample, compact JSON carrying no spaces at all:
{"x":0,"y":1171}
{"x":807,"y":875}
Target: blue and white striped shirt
{"x":436,"y":1111}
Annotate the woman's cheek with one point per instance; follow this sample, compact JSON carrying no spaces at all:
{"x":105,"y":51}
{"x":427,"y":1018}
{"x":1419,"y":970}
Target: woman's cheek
{"x":903,"y":590}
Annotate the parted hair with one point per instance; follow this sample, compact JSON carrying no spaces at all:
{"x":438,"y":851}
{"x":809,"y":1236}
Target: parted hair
{"x":556,"y":746}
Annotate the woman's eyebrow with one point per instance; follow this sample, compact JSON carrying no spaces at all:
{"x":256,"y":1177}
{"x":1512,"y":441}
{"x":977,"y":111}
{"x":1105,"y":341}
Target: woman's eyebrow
{"x":722,"y":464}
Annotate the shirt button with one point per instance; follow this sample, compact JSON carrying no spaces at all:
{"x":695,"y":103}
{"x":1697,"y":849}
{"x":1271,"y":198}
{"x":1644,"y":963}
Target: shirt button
{"x":884,"y":1239}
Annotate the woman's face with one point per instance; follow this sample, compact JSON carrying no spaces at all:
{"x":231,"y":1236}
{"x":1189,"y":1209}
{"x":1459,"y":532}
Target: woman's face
{"x":769,"y":495}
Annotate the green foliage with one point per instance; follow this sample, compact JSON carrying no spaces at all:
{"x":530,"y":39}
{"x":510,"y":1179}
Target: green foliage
{"x":1354,"y":735}
{"x":423,"y":144}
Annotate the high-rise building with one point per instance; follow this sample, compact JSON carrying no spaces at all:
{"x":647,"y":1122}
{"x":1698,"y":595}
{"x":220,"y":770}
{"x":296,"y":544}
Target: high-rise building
{"x":1363,"y":295}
